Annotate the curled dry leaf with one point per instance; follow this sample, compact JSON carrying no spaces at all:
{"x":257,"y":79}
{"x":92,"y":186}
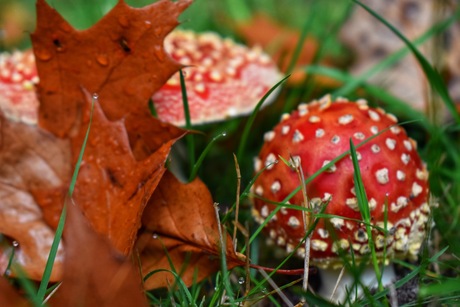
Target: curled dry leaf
{"x":121,"y":58}
{"x":30,"y":160}
{"x":180,"y":224}
{"x":112,"y":188}
{"x":94,"y":273}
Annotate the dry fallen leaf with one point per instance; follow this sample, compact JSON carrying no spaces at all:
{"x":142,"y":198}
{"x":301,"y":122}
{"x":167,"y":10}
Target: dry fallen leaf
{"x":121,"y":58}
{"x":10,"y":297}
{"x":94,"y":273}
{"x":115,"y":181}
{"x":180,"y":223}
{"x":31,"y":159}
{"x":112,"y":187}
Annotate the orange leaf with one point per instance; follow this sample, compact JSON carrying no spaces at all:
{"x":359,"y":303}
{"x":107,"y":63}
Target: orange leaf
{"x":121,"y":58}
{"x":31,"y":159}
{"x":180,"y":223}
{"x":94,"y":274}
{"x":9,"y":296}
{"x":112,"y":187}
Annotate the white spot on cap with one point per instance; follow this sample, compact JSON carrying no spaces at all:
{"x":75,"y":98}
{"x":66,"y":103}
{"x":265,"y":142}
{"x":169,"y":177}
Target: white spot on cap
{"x":391,"y":143}
{"x":330,"y":169}
{"x":296,"y":161}
{"x":303,"y":109}
{"x":372,"y":204}
{"x":392,"y":117}
{"x":290,"y":248}
{"x":345,"y":119}
{"x":337,"y":222}
{"x":323,"y":233}
{"x":361,"y":235}
{"x":407,"y":144}
{"x":318,"y":245}
{"x":259,"y":190}
{"x":264,"y":211}
{"x":361,"y":102}
{"x":276,"y":186}
{"x":285,"y":129}
{"x":257,"y":164}
{"x":352,"y":203}
{"x":400,"y":175}
{"x":402,"y":201}
{"x":314,"y":119}
{"x":273,"y":234}
{"x":315,"y":202}
{"x":421,"y":174}
{"x":319,"y":133}
{"x":395,"y":129}
{"x":405,"y":158}
{"x":269,"y":136}
{"x":281,"y":241}
{"x":382,"y":176}
{"x":375,"y":148}
{"x":270,"y":161}
{"x":200,"y":88}
{"x":374,"y":115}
{"x":297,"y":137}
{"x":341,"y":244}
{"x":285,"y":116}
{"x":232,"y":111}
{"x":335,"y":139}
{"x":293,"y":222}
{"x":374,"y":129}
{"x":327,"y":197}
{"x":359,"y":136}
{"x":341,"y":99}
{"x":416,"y":189}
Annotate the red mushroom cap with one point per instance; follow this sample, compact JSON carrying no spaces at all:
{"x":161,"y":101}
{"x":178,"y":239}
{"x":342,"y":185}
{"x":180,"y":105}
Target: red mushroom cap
{"x":391,"y":169}
{"x":223,"y":80}
{"x":18,"y":76}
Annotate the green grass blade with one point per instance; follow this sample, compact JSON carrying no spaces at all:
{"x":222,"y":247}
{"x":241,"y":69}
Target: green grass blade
{"x":247,"y":128}
{"x":364,"y":210}
{"x":28,"y":287}
{"x":188,"y":124}
{"x":432,"y":74}
{"x":203,"y":155}
{"x":60,"y":228}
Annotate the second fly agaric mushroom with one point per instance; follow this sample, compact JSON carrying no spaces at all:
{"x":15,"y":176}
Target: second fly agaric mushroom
{"x":223,"y":79}
{"x":18,"y":76}
{"x":394,"y":176}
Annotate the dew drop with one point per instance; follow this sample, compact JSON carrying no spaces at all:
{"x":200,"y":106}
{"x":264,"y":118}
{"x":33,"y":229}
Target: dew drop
{"x":241,"y":280}
{"x":8,"y":272}
{"x":155,"y":236}
{"x":43,"y":54}
{"x":95,"y":96}
{"x":102,"y":59}
{"x":224,"y":134}
{"x":147,"y":24}
{"x":15,"y":243}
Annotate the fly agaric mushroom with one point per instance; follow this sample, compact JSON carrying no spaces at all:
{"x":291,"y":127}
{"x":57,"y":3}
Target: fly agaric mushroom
{"x":223,"y":79}
{"x":18,"y":76}
{"x":394,"y":176}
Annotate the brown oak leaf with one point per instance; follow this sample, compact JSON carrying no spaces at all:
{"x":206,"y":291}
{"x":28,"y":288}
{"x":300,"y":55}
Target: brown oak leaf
{"x":9,"y":296}
{"x":94,"y":273}
{"x":180,"y":223}
{"x":121,"y":58}
{"x":112,"y":188}
{"x":31,"y":159}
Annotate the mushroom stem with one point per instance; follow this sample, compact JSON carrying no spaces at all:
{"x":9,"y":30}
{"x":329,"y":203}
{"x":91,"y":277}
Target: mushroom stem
{"x":347,"y":289}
